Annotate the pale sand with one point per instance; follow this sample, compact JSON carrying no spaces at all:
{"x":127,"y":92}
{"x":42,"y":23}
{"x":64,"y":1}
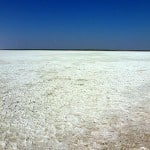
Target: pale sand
{"x":63,"y":100}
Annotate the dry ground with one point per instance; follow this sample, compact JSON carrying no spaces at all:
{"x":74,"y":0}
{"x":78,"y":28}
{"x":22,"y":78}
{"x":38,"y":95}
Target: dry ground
{"x":74,"y":100}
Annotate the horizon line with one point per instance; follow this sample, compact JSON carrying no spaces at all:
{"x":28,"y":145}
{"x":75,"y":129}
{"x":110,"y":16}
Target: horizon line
{"x":77,"y":49}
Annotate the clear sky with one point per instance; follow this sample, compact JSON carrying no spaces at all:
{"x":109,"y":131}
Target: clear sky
{"x":109,"y":24}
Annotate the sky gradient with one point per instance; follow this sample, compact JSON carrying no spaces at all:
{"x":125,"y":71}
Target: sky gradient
{"x":101,"y":24}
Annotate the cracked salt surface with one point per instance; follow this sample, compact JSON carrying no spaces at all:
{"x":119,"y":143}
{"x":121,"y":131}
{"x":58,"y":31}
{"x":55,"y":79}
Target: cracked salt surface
{"x":74,"y":100}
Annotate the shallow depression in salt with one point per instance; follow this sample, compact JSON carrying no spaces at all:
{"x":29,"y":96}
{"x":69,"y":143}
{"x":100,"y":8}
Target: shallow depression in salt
{"x":73,"y":100}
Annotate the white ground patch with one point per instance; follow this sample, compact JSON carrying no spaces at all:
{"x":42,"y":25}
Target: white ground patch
{"x":64,"y":100}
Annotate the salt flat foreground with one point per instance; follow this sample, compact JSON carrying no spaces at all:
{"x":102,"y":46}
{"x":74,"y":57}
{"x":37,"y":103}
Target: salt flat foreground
{"x":63,"y":100}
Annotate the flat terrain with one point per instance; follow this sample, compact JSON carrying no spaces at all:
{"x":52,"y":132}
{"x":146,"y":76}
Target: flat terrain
{"x":69,"y":100}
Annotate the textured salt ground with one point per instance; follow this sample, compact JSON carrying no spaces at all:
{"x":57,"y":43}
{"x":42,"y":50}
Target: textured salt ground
{"x":74,"y":100}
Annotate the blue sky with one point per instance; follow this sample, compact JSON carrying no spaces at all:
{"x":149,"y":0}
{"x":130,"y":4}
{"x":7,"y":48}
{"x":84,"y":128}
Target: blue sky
{"x":103,"y":24}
